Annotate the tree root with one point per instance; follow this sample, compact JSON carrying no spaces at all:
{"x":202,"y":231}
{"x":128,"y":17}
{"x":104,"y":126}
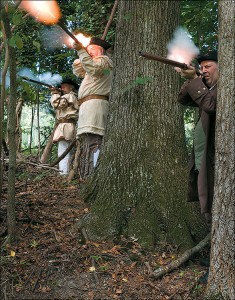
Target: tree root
{"x":182,"y":259}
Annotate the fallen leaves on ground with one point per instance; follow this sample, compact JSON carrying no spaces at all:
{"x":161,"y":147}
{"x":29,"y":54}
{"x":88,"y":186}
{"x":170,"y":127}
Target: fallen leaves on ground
{"x":50,"y":259}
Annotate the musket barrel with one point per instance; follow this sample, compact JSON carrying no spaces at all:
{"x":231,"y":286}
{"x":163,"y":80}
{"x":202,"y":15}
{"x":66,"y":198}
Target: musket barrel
{"x":62,"y":26}
{"x":35,"y":81}
{"x":164,"y":60}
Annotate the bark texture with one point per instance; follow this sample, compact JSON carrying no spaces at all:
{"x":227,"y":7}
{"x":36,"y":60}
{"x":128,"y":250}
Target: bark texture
{"x":222,"y":268}
{"x":139,"y":188}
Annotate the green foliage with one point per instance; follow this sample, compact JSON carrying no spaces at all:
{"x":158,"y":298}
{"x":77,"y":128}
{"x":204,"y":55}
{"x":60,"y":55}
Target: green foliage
{"x":37,"y":45}
{"x":16,"y":41}
{"x":16,"y":19}
{"x":200,"y":17}
{"x":138,"y":81}
{"x":142,"y":80}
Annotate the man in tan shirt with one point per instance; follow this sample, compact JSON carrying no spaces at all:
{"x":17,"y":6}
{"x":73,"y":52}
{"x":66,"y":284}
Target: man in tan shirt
{"x":64,"y":101}
{"x":93,"y":95}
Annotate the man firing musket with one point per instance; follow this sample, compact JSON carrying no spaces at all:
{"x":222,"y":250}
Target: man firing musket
{"x":64,"y":101}
{"x":199,"y":90}
{"x":96,"y":69}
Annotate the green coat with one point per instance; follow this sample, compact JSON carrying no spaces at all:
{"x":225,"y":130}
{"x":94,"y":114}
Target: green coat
{"x":201,"y":183}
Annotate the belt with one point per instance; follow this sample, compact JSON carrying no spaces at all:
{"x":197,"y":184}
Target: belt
{"x":67,"y":121}
{"x":94,"y":96}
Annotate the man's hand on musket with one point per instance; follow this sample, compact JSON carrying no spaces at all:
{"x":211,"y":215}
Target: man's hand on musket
{"x":77,"y":46}
{"x":189,"y":73}
{"x":55,"y":90}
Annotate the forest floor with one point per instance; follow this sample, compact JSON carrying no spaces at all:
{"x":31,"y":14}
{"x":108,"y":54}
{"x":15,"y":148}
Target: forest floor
{"x":51,"y":260}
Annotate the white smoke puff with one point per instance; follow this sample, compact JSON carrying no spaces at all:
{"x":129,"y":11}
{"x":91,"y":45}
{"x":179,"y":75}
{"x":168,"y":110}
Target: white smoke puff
{"x":49,"y":78}
{"x":46,"y":77}
{"x":181,"y":48}
{"x":27,"y":73}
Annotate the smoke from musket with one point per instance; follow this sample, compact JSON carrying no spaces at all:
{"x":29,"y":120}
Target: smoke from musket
{"x":53,"y":37}
{"x":47,"y":77}
{"x":181,"y":48}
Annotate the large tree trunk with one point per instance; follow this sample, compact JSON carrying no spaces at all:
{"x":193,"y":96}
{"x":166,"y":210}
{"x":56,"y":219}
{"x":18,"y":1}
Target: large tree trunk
{"x":140,"y":186}
{"x":11,"y":127}
{"x":222,"y":268}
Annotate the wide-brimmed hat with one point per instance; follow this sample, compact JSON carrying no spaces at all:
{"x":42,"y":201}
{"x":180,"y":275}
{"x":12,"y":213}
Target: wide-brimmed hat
{"x":210,"y":55}
{"x":70,"y":81}
{"x":99,"y":42}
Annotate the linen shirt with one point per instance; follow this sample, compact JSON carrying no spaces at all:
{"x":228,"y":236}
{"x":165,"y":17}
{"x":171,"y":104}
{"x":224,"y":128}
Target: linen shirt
{"x":97,"y":74}
{"x":66,"y":107}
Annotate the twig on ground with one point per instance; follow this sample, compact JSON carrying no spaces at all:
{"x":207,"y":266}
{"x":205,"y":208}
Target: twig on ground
{"x":94,"y":272}
{"x":34,"y":164}
{"x":84,"y":234}
{"x":149,"y":268}
{"x":36,"y":282}
{"x":182,"y":259}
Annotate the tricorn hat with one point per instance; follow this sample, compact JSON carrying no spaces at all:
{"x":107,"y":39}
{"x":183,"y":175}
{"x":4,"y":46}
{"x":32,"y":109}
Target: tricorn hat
{"x":100,"y":42}
{"x":70,"y":81}
{"x":210,"y":55}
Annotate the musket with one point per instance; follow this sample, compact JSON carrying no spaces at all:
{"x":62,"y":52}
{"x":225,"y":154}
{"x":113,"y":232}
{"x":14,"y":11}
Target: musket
{"x":167,"y":61}
{"x":38,"y":82}
{"x":63,"y":27}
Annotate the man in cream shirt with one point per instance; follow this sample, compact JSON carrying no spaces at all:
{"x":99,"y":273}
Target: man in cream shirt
{"x":93,"y":96}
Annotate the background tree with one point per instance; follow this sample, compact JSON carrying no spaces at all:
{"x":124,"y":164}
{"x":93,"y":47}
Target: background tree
{"x":140,"y":186}
{"x":11,"y":126}
{"x":222,"y":267}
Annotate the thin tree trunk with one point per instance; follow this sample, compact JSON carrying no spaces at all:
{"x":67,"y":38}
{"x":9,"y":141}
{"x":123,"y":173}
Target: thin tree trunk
{"x":221,"y":281}
{"x":47,"y":149}
{"x":38,"y":125}
{"x":31,"y":129}
{"x":18,"y":127}
{"x":11,"y":126}
{"x":3,"y":95}
{"x":110,"y":19}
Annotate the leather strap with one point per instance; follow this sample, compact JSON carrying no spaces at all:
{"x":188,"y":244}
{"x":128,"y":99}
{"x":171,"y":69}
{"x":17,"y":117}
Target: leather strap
{"x":67,"y":121}
{"x":94,"y":96}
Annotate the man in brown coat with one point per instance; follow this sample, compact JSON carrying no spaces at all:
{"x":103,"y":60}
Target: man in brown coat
{"x":201,"y":91}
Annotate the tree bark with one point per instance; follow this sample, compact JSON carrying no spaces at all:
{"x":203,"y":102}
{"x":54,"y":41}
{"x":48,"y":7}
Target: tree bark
{"x":222,"y":267}
{"x":139,"y":188}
